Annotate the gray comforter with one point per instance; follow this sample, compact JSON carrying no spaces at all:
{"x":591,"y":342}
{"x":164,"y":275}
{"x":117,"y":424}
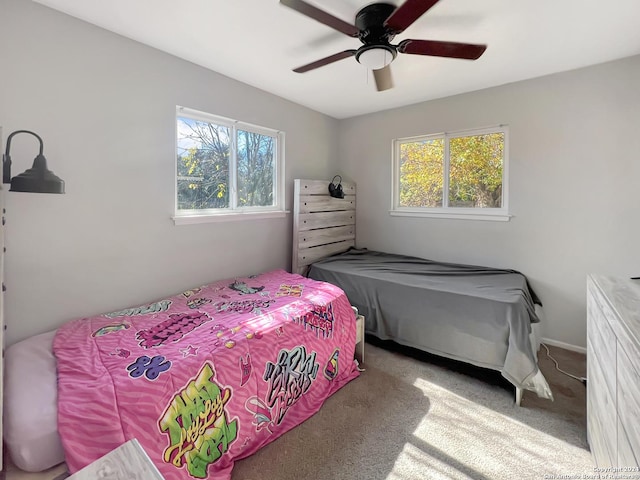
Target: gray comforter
{"x":475,"y":314}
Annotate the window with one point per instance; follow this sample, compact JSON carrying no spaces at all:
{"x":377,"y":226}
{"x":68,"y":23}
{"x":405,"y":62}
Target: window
{"x":452,"y":175}
{"x":226,"y":169}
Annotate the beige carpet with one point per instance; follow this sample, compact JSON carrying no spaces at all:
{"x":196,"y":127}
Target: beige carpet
{"x":406,"y":419}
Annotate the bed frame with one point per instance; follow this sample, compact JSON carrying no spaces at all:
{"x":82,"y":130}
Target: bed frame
{"x":324,"y":225}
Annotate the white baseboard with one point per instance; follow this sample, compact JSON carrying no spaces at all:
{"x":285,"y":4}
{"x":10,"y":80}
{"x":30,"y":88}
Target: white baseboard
{"x":566,"y":346}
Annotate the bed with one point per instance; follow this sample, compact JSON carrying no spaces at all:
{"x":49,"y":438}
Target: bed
{"x":200,"y":379}
{"x":479,"y":315}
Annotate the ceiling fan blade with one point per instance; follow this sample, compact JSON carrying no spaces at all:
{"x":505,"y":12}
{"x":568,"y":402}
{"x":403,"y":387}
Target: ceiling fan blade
{"x":325,"y":61}
{"x":383,"y":78}
{"x":321,"y":16}
{"x":407,"y":13}
{"x":466,"y":51}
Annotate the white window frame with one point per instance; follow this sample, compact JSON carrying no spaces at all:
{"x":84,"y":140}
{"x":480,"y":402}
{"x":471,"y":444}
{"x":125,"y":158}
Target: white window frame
{"x":495,"y":214}
{"x":234,"y":212}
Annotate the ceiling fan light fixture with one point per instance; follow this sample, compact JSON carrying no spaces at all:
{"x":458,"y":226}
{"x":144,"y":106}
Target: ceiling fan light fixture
{"x":376,"y":25}
{"x":375,"y":57}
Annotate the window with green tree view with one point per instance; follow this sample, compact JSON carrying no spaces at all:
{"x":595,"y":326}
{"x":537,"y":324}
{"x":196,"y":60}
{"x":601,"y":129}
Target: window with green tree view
{"x":458,"y":175}
{"x":226,"y":167}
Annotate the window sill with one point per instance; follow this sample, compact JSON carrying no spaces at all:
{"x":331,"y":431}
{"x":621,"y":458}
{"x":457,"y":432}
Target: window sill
{"x":493,"y":217}
{"x":226,"y":217}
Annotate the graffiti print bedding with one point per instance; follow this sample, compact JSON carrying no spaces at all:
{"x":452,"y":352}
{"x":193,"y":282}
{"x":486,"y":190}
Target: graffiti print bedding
{"x":206,"y":377}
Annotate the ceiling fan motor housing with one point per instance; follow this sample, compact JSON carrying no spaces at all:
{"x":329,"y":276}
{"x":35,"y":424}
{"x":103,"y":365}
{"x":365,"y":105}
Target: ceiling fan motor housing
{"x":370,"y":21}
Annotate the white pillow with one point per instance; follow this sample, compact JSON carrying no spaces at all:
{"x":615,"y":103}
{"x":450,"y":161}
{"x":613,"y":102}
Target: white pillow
{"x":30,"y":404}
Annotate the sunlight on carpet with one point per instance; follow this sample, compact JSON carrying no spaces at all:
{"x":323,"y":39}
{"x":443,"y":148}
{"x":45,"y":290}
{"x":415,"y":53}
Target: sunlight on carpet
{"x":459,"y":438}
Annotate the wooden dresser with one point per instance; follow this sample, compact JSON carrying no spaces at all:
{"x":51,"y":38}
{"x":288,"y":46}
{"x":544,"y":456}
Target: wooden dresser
{"x":613,"y":372}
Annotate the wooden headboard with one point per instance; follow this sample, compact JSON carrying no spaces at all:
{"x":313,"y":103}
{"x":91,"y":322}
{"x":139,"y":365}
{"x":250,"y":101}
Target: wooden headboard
{"x":322,"y":225}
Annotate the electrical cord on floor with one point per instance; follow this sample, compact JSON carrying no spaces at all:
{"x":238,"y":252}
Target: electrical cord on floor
{"x":580,"y":379}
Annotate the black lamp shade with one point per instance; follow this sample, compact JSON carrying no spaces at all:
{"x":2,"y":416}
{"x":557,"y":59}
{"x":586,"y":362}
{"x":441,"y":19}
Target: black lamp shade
{"x":38,"y":179}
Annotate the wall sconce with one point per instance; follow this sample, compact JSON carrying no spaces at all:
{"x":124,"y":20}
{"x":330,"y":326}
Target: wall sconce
{"x":38,"y":179}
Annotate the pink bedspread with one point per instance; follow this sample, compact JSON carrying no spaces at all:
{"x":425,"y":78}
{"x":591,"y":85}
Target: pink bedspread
{"x":206,"y":377}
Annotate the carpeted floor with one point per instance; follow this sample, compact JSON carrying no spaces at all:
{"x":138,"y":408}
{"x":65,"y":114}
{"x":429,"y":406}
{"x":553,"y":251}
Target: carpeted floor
{"x":409,"y":419}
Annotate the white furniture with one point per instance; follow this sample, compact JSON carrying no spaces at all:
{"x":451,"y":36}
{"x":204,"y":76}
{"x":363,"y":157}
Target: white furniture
{"x":613,"y":371}
{"x":322,"y":225}
{"x":1,"y":307}
{"x":127,"y":462}
{"x":360,"y":337}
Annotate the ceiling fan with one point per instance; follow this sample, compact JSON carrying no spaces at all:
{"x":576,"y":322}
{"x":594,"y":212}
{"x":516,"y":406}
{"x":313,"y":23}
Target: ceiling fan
{"x":376,"y":25}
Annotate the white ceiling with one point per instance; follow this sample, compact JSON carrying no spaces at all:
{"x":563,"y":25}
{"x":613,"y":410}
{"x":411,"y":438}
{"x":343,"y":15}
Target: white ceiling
{"x":258,"y":42}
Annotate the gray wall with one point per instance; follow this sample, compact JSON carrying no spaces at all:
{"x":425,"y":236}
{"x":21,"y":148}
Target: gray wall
{"x":105,"y":107}
{"x":574,"y":184}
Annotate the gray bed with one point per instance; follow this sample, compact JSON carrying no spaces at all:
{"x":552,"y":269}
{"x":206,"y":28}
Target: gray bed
{"x":474,"y":314}
{"x":478,"y":315}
